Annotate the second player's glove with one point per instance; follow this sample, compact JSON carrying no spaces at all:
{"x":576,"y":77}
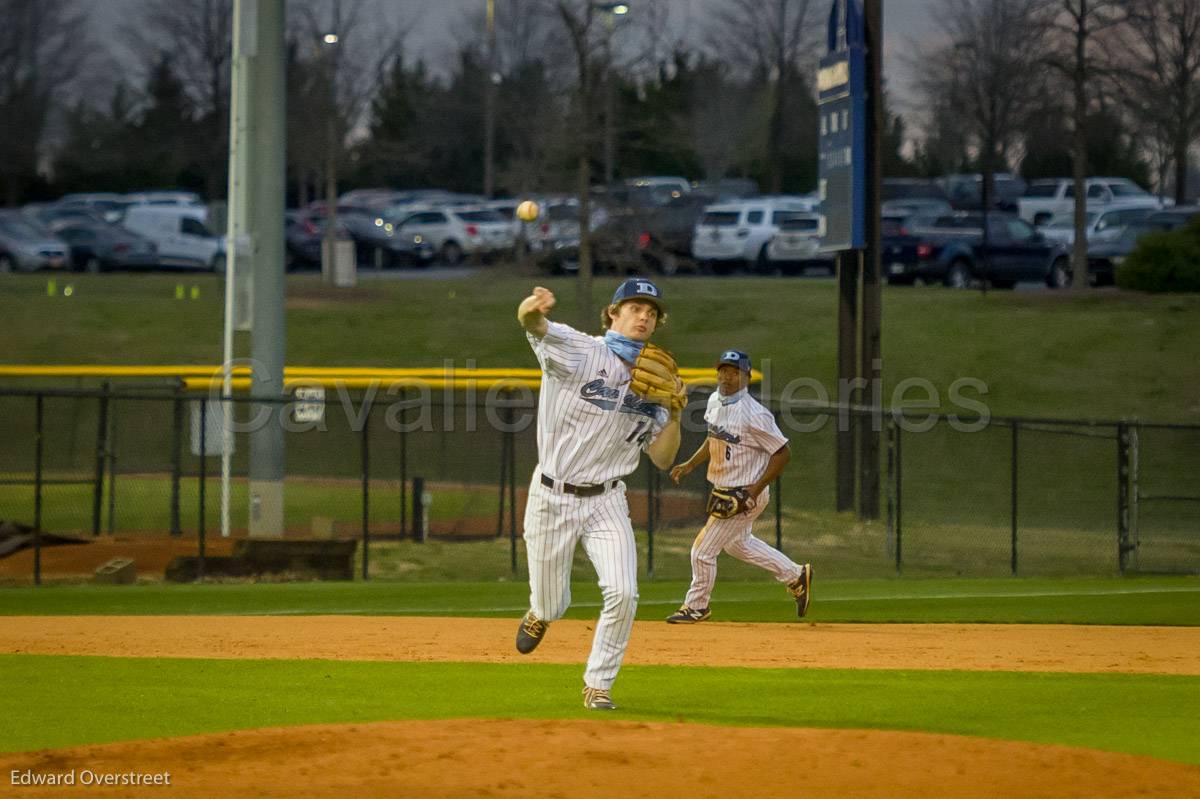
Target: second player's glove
{"x":655,"y":377}
{"x":725,"y":503}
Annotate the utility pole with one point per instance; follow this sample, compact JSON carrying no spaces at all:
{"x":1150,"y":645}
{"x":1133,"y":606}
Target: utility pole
{"x":489,"y":135}
{"x":268,"y":344}
{"x":872,"y":293}
{"x":329,"y":58}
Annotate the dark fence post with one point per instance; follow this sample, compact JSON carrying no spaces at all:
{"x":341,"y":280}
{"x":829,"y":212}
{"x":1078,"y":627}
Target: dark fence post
{"x":404,"y":467}
{"x":505,"y":442}
{"x":98,"y":487}
{"x":366,"y":495}
{"x":1123,"y":545}
{"x":891,"y":484}
{"x":779,"y":513}
{"x":899,"y":499}
{"x":176,"y":461}
{"x":512,"y":485}
{"x":418,"y":509}
{"x":111,"y":451}
{"x":1013,"y":513}
{"x":203,"y":479}
{"x":650,"y":520}
{"x":37,"y":494}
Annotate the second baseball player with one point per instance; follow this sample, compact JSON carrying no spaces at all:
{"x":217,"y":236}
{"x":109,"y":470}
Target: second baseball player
{"x":746,"y":451}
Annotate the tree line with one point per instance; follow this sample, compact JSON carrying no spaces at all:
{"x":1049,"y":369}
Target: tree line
{"x":1043,"y":86}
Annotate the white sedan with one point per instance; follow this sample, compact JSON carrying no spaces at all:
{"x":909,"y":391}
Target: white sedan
{"x":796,"y":246}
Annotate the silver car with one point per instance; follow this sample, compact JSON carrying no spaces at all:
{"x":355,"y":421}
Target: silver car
{"x":27,"y":247}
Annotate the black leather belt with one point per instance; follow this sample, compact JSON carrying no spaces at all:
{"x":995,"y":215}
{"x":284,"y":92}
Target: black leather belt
{"x":581,"y":491}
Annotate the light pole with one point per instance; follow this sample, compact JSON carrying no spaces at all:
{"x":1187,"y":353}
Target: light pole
{"x":493,"y":80}
{"x":328,"y":54}
{"x":611,"y":12}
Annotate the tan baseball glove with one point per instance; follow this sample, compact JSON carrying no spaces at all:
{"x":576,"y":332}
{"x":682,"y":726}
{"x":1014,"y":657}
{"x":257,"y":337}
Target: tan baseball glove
{"x":655,"y":377}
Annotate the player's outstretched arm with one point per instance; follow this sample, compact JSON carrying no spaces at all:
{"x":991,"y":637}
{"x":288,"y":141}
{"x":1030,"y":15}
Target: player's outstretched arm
{"x":775,"y":466}
{"x":531,"y":313}
{"x":688,"y":466}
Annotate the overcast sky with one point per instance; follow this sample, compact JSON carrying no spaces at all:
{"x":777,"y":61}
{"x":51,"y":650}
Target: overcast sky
{"x":438,"y":29}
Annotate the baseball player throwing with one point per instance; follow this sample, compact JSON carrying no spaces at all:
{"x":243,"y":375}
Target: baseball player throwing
{"x":745,"y":451}
{"x":603,"y":401}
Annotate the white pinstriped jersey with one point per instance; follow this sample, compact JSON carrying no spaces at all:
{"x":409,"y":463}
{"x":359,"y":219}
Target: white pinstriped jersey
{"x":591,"y":427}
{"x":742,"y":437}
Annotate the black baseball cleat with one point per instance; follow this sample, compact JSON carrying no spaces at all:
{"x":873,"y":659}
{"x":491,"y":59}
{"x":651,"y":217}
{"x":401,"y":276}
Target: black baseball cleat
{"x":686,"y":615}
{"x":800,"y":589}
{"x":530,"y":633}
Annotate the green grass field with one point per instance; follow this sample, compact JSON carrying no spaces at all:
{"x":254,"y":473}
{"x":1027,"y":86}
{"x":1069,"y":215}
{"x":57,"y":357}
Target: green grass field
{"x":1100,"y":354}
{"x":1139,"y":600}
{"x":135,"y":698}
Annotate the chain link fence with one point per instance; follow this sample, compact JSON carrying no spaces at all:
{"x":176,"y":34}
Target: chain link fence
{"x":431,"y":485}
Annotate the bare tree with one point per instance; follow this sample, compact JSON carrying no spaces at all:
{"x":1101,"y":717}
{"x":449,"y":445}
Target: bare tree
{"x":1155,"y":61}
{"x":42,"y":49}
{"x":1075,"y":24}
{"x":988,"y":70}
{"x":199,"y":36}
{"x":771,"y":40}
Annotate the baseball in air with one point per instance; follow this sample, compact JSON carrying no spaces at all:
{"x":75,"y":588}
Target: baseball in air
{"x":527,"y":211}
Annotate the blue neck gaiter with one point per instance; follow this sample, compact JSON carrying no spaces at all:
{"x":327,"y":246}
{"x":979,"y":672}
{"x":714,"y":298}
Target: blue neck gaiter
{"x":623,"y":347}
{"x":732,"y":398}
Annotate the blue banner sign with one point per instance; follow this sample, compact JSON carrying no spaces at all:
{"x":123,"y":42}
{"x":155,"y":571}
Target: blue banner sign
{"x":842,"y":101}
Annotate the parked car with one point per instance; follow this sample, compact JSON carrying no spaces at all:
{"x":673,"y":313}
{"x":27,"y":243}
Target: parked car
{"x":1099,"y":225}
{"x":636,"y":239}
{"x":912,"y":189}
{"x":952,"y":251}
{"x":795,"y":247}
{"x":508,"y":210}
{"x":1106,"y":255}
{"x":48,"y":215}
{"x":966,"y":191}
{"x":181,"y":234}
{"x":107,"y":205}
{"x":164,"y":197}
{"x":456,"y":232}
{"x":923,"y":206}
{"x":373,"y":236}
{"x":26,"y":247}
{"x":99,"y":246}
{"x":735,"y":234}
{"x":1044,"y":199}
{"x":663,"y":188}
{"x":726,"y":189}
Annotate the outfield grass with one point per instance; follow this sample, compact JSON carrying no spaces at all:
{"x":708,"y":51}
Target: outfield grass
{"x":139,"y":698}
{"x":1095,"y":354}
{"x":1134,"y":601}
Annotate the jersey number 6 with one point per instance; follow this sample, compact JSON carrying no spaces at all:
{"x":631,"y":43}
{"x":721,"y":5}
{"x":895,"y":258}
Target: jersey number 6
{"x":728,"y":452}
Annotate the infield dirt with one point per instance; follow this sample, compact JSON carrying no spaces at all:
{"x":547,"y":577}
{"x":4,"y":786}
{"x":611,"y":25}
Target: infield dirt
{"x":608,"y":757}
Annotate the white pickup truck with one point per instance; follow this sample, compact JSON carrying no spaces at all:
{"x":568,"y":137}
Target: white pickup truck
{"x":1044,"y":199}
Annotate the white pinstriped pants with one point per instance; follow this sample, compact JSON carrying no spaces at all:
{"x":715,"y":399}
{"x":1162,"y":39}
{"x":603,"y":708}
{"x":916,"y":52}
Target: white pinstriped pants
{"x":734,"y":536}
{"x":554,"y":524}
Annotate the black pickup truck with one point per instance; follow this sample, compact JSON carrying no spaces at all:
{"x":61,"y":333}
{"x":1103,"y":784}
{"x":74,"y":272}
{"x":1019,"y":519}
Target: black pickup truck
{"x":951,"y":250}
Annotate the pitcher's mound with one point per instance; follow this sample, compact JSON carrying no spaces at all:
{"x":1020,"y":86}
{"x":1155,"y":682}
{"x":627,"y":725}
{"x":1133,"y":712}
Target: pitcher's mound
{"x":602,"y":758}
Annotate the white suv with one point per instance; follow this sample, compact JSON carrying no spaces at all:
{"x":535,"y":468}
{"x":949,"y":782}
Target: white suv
{"x":1044,"y":199}
{"x":734,"y":234}
{"x":459,"y":231}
